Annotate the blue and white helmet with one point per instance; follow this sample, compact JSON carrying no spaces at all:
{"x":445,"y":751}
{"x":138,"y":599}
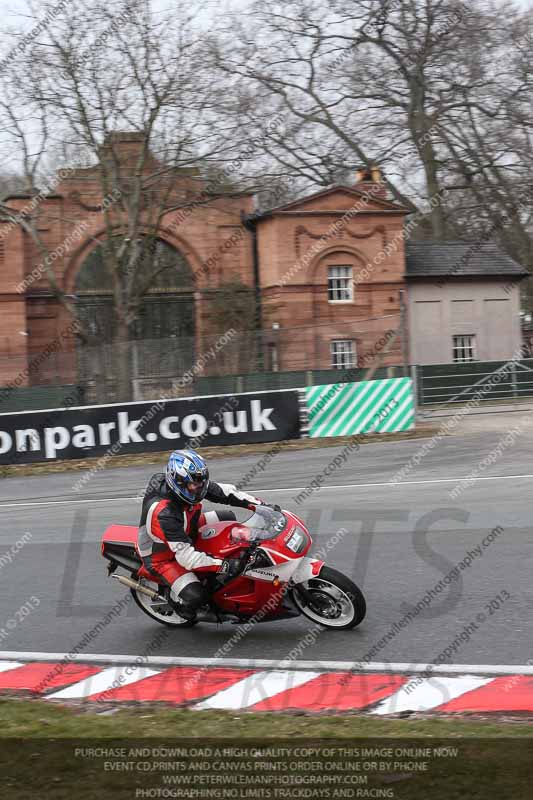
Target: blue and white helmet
{"x":187,"y":476}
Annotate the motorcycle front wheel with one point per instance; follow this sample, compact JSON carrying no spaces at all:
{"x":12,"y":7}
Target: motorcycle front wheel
{"x":331,"y":599}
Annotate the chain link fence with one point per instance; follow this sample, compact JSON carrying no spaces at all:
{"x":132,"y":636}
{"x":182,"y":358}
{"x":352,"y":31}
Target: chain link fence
{"x":224,"y":363}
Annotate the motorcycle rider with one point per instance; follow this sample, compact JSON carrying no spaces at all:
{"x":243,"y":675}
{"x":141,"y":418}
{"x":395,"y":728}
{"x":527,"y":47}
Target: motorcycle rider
{"x":170,"y":518}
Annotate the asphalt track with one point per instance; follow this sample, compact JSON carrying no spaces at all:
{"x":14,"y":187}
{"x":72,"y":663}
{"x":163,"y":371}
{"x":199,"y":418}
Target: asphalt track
{"x":398,"y":542}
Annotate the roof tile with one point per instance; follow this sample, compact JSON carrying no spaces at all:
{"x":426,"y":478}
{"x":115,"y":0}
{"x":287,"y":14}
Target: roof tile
{"x":459,"y":259}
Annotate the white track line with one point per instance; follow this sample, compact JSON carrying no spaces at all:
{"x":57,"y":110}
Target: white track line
{"x":403,"y":483}
{"x":265,"y":664}
{"x":431,"y":693}
{"x":291,"y":489}
{"x":102,"y":682}
{"x":5,"y":666}
{"x":255,"y":688}
{"x":67,"y":502}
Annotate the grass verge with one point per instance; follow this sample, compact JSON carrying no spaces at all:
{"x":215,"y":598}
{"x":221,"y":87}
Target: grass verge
{"x":28,"y":718}
{"x":140,"y":459}
{"x":46,"y":752}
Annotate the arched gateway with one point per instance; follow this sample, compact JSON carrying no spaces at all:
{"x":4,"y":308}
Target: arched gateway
{"x":198,"y":239}
{"x":158,"y":285}
{"x":166,"y":307}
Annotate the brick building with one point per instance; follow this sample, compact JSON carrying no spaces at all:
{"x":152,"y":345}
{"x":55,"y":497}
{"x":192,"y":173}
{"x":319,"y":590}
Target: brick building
{"x":332,"y":265}
{"x":330,"y":270}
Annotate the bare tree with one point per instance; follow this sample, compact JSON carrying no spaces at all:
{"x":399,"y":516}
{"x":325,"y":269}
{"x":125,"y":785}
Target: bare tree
{"x":97,"y":71}
{"x":11,"y":184}
{"x":489,"y":156}
{"x":401,"y":83}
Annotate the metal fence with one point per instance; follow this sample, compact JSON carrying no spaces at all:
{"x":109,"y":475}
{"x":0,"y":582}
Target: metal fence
{"x":483,"y":380}
{"x":436,"y":384}
{"x":223,"y":363}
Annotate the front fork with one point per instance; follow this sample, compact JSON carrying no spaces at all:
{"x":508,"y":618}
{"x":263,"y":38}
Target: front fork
{"x":303,"y":594}
{"x":309,"y":569}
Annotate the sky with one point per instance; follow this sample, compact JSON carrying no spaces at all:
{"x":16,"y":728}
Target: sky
{"x":15,"y":13}
{"x":18,"y":14}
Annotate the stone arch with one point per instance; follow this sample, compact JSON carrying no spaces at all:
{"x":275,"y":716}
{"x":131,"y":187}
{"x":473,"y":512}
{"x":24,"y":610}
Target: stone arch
{"x":81,"y":253}
{"x":163,"y":280}
{"x":354,"y":254}
{"x":161,"y":340}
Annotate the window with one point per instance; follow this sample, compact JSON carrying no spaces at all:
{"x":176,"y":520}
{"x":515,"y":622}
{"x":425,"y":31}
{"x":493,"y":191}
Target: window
{"x":343,"y":354}
{"x":464,"y":348}
{"x":340,"y":284}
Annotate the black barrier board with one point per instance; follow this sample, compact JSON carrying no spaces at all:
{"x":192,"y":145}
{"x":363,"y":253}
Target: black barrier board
{"x":277,"y":769}
{"x":151,"y":426}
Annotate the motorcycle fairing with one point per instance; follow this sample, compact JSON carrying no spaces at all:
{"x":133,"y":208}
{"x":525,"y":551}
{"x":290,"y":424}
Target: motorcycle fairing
{"x":299,"y":569}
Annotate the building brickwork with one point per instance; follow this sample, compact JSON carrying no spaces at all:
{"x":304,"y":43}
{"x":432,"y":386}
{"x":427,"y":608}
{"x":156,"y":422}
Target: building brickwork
{"x":207,"y":232}
{"x":285,"y":255}
{"x":296,"y":244}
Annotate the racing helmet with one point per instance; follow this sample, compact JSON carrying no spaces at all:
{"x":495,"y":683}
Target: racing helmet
{"x":187,"y":476}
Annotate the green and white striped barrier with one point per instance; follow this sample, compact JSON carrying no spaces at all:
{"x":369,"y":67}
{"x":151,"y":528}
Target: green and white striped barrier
{"x":343,"y":409}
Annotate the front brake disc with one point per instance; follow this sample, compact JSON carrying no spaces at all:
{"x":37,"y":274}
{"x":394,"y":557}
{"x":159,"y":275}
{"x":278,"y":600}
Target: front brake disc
{"x":163,"y":608}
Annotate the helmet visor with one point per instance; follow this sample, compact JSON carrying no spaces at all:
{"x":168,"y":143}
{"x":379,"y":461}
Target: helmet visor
{"x":195,"y":489}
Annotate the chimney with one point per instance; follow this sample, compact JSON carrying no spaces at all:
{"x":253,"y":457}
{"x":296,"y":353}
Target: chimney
{"x":126,"y":146}
{"x":370,"y":179}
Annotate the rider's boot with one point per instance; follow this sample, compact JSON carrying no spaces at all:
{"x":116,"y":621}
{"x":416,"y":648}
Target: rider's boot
{"x":189,"y":599}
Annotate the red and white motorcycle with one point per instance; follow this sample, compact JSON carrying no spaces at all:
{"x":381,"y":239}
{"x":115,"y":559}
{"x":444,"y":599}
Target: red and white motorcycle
{"x":278,"y":579}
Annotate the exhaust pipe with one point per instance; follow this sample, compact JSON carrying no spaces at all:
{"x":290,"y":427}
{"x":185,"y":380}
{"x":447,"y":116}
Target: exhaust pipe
{"x":138,"y":587}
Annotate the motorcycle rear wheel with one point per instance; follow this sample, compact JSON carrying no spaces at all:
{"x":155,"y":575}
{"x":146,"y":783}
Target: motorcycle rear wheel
{"x":147,"y":605}
{"x":338,"y":604}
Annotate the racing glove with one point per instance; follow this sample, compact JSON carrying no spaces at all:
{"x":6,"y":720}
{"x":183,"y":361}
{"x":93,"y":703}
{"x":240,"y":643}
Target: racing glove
{"x":273,"y":506}
{"x":231,"y":567}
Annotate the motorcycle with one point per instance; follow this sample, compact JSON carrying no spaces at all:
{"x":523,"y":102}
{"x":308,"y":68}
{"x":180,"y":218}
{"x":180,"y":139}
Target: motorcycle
{"x":278,"y":579}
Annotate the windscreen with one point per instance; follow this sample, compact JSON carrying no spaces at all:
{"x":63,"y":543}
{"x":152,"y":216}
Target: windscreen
{"x":265,"y":523}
